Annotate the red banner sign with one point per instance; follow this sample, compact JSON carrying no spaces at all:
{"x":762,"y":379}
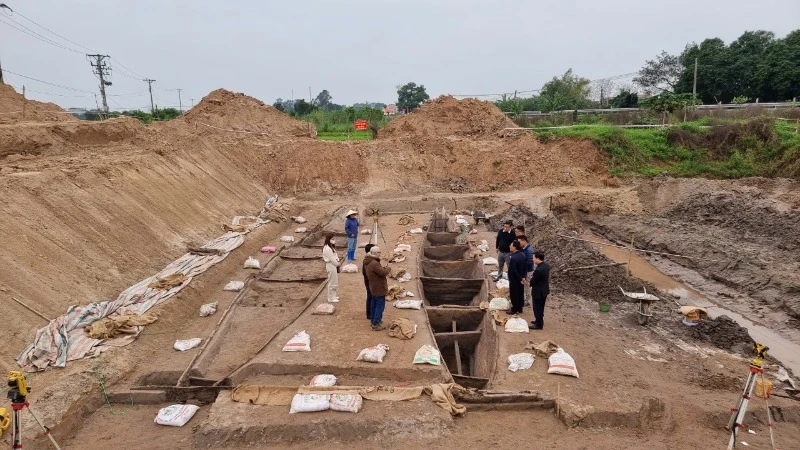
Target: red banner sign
{"x":360,"y":125}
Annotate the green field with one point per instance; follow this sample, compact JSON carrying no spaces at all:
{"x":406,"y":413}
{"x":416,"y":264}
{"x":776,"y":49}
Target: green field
{"x":344,"y":135}
{"x":730,"y":149}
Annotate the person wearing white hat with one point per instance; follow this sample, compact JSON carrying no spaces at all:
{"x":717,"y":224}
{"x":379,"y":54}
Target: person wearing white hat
{"x":351,"y":229}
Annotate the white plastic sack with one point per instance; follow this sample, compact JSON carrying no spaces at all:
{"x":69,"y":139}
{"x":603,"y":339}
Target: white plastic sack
{"x":427,"y":354}
{"x":483,"y":246}
{"x":502,"y":283}
{"x":186,"y":344}
{"x":409,"y":294}
{"x":349,"y":268}
{"x":252,"y":263}
{"x":176,"y":415}
{"x":406,"y":277}
{"x":461,"y":220}
{"x":516,"y":325}
{"x":489,"y":261}
{"x":373,"y":354}
{"x":494,"y":274}
{"x":402,"y":248}
{"x":208,"y":309}
{"x":235,"y":286}
{"x":309,"y":403}
{"x":346,"y":402}
{"x":416,"y":231}
{"x":499,"y":303}
{"x":299,"y":219}
{"x":408,"y":304}
{"x":324,"y":309}
{"x":562,"y":364}
{"x":300,"y":342}
{"x":287,"y":239}
{"x":520,"y":361}
{"x":300,"y":230}
{"x":323,"y":380}
{"x":366,"y":231}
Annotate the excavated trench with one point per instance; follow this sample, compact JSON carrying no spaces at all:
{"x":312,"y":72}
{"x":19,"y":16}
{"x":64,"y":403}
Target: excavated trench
{"x":452,"y":289}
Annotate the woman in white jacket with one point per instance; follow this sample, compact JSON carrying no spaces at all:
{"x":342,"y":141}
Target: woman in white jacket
{"x":332,"y":266}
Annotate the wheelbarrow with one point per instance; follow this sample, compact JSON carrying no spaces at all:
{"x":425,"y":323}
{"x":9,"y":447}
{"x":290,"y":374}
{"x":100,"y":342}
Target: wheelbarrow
{"x":643,"y":312}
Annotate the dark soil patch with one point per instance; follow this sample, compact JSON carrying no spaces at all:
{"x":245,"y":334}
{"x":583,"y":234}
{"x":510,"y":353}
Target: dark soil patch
{"x":723,"y":332}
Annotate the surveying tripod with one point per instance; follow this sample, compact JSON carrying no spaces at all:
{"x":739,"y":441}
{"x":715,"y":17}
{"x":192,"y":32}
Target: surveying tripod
{"x":18,"y":390}
{"x":375,"y":229}
{"x":736,"y":422}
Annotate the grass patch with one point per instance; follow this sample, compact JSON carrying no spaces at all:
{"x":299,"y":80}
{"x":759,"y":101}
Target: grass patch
{"x":344,"y":136}
{"x":734,"y":149}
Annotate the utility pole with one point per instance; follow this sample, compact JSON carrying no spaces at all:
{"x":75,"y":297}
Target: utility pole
{"x":602,"y":91}
{"x":694,"y":86}
{"x":102,"y":70}
{"x":180,"y":104}
{"x":150,"y":87}
{"x":1,"y":72}
{"x":192,"y":103}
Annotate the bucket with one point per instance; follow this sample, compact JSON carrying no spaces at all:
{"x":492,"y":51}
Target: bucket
{"x":605,"y":307}
{"x":760,"y":387}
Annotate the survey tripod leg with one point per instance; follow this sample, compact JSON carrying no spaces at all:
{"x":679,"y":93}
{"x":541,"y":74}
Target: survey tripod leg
{"x":16,"y":426}
{"x":736,"y":423}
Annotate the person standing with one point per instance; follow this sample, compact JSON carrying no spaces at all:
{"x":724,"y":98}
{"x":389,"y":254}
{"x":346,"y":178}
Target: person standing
{"x":540,"y":289}
{"x":519,"y":230}
{"x":367,"y":260}
{"x":504,"y":238}
{"x":527,"y":250}
{"x":331,"y":266}
{"x":516,"y":278}
{"x":377,"y":271}
{"x":351,"y":229}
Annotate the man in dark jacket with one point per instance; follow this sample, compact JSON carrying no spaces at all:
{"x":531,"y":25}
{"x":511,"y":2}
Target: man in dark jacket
{"x":540,"y":288}
{"x":504,"y":238}
{"x":527,"y":250}
{"x":377,"y":271}
{"x":351,"y":230}
{"x":516,"y":278}
{"x":367,"y":260}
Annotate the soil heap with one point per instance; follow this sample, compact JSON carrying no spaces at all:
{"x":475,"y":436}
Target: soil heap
{"x":723,"y":332}
{"x":447,"y":116}
{"x":235,"y":111}
{"x":11,"y":104}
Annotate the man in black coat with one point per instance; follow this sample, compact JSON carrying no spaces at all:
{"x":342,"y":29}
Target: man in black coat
{"x":504,"y":238}
{"x":540,"y":288}
{"x":517,"y":268}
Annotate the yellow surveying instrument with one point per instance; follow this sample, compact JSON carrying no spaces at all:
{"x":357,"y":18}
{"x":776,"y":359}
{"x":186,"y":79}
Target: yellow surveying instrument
{"x":736,"y":422}
{"x":18,"y":391}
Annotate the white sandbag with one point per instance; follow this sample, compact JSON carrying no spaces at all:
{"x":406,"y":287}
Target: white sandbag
{"x":186,"y":344}
{"x":299,"y":219}
{"x":287,"y":239}
{"x":323,"y":380}
{"x":408,"y":304}
{"x":373,"y":354}
{"x":416,"y":231}
{"x":483,"y":246}
{"x":300,"y":342}
{"x":427,"y":354}
{"x":520,"y":361}
{"x":346,"y":402}
{"x":176,"y":415}
{"x":409,"y":294}
{"x":502,"y":283}
{"x":489,"y":261}
{"x":235,"y":286}
{"x":499,"y":303}
{"x":309,"y":403}
{"x":366,"y":231}
{"x":252,"y":263}
{"x":300,"y":230}
{"x":349,"y":268}
{"x":516,"y":325}
{"x":402,"y":248}
{"x":561,"y":363}
{"x":324,"y":309}
{"x":406,"y":277}
{"x":493,"y":274}
{"x":473,"y":231}
{"x":461,"y":220}
{"x":208,"y":309}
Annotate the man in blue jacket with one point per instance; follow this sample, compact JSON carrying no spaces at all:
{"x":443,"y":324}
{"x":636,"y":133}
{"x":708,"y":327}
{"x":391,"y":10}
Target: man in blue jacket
{"x":351,"y":229}
{"x":527,"y":249}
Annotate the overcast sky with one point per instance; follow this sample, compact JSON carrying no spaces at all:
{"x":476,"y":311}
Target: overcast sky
{"x":358,"y":50}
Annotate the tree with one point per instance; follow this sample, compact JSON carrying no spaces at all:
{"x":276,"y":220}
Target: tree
{"x":568,"y":92}
{"x":323,"y":99}
{"x":302,"y":107}
{"x":668,"y":103}
{"x":279,"y":105}
{"x":779,"y":74}
{"x":714,"y":79}
{"x":625,"y":99}
{"x":410,"y":96}
{"x":661,"y":73}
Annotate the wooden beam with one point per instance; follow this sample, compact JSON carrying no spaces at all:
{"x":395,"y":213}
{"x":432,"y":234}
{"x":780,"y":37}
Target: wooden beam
{"x":468,"y":338}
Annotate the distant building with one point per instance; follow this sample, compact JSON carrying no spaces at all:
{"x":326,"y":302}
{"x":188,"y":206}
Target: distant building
{"x":390,"y":110}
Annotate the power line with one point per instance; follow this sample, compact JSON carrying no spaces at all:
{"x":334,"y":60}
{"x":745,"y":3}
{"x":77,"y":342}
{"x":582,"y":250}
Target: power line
{"x":141,"y":77}
{"x":38,"y":36}
{"x":54,"y":94}
{"x":51,"y":31}
{"x":48,"y":83}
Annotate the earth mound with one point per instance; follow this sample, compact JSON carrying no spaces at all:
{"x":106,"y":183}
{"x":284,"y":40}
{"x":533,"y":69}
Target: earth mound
{"x":447,"y":116}
{"x":239,"y":112}
{"x":723,"y":332}
{"x":11,"y":104}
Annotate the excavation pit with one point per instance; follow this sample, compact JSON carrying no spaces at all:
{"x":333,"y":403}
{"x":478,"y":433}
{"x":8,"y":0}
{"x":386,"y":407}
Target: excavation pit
{"x":455,"y":252}
{"x":287,"y":270}
{"x":266,"y":294}
{"x":468,"y":343}
{"x":441,"y":238}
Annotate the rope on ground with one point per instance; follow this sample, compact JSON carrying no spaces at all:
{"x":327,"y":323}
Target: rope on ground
{"x":101,"y":380}
{"x":638,"y":249}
